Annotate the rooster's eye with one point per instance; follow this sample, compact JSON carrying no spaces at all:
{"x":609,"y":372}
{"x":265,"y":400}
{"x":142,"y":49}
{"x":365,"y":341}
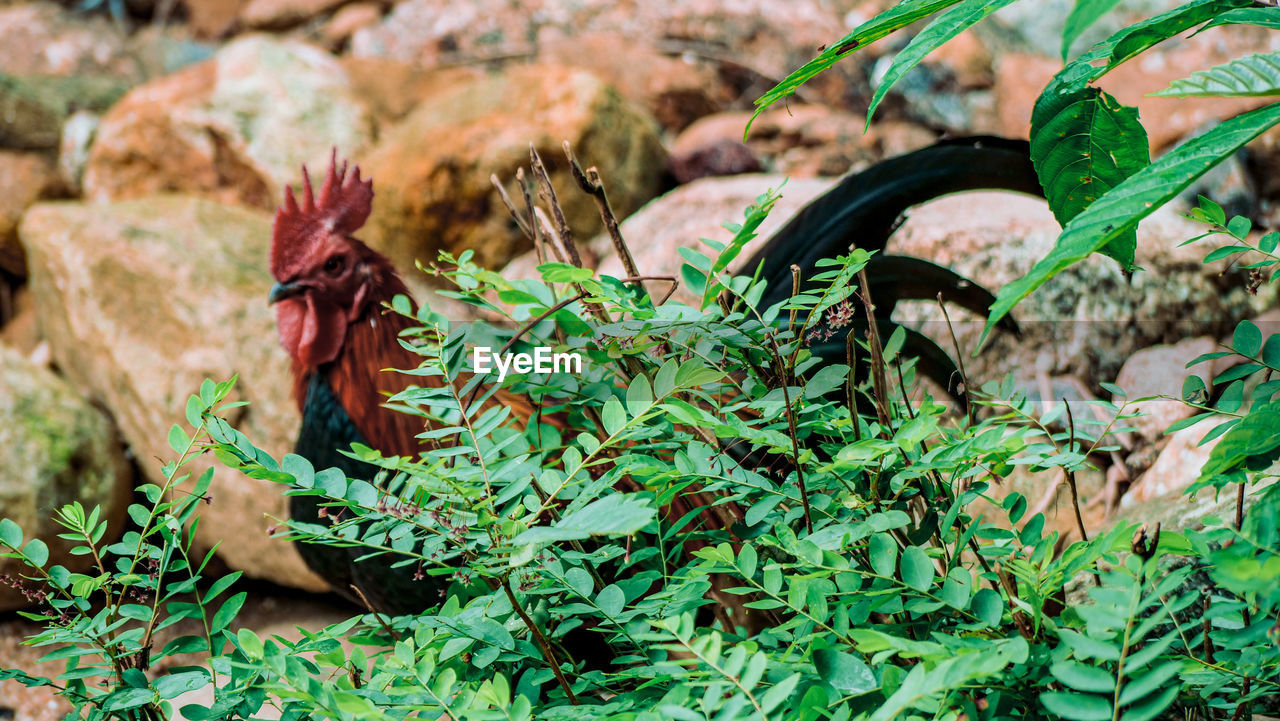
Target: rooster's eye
{"x":333,"y":266}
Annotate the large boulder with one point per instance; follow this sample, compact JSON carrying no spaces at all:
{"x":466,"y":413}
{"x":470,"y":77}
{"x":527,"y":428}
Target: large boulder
{"x":431,"y":171}
{"x":55,"y":448}
{"x":236,"y":127}
{"x":1089,"y":318}
{"x":140,"y":302}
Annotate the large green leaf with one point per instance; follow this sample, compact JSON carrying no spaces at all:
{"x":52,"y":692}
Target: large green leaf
{"x":896,"y":17}
{"x":1251,"y":76}
{"x":942,"y":29}
{"x":1265,"y":17}
{"x":618,"y":514}
{"x":1252,"y":443}
{"x":1119,"y":211}
{"x":1084,"y":14}
{"x":1083,"y":144}
{"x":1132,"y":40}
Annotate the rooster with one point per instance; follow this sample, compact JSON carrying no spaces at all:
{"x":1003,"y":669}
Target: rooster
{"x":331,"y":289}
{"x":329,"y":292}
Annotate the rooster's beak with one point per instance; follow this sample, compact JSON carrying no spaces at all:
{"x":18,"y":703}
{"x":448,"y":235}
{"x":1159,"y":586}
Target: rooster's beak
{"x":280,"y":291}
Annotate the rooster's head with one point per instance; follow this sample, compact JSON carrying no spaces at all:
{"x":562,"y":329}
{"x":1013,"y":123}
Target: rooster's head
{"x":324,"y":277}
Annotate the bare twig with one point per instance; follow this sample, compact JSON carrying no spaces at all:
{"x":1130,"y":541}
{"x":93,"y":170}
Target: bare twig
{"x":543,"y":645}
{"x":955,"y":344}
{"x":590,"y":183}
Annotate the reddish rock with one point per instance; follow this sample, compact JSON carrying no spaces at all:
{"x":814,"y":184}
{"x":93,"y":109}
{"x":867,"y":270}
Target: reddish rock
{"x":283,"y":14}
{"x":432,"y":170}
{"x":42,"y":38}
{"x":800,"y":141}
{"x":1019,"y":79}
{"x":968,"y":57}
{"x":213,"y":18}
{"x":24,"y":179}
{"x":677,"y":89}
{"x":235,"y":128}
{"x":21,"y":330}
{"x":392,"y":88}
{"x":347,"y":20}
{"x":1160,"y":371}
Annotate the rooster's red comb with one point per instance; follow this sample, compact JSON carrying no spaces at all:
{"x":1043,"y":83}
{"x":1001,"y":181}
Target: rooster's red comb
{"x":343,"y":206}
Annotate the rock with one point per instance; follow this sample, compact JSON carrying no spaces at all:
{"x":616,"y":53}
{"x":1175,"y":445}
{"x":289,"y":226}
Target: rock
{"x":57,"y":448}
{"x":24,"y":179}
{"x":213,"y":19}
{"x":78,"y":134}
{"x":1087,"y":320}
{"x":283,"y":14}
{"x":347,"y":20}
{"x":431,"y":171}
{"x":19,"y":328}
{"x":236,"y":127}
{"x":773,"y":36}
{"x":722,"y":157}
{"x":141,"y":301}
{"x":677,"y":90}
{"x":799,"y":141}
{"x":968,"y":58}
{"x":391,"y":88}
{"x":1158,"y":496}
{"x":1160,"y":370}
{"x":1020,"y":77}
{"x":748,"y":45}
{"x":682,"y":216}
{"x":43,"y":38}
{"x":1262,"y":160}
{"x":34,"y":107}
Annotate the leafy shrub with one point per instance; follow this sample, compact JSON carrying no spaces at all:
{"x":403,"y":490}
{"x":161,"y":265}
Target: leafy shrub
{"x":705,"y":504}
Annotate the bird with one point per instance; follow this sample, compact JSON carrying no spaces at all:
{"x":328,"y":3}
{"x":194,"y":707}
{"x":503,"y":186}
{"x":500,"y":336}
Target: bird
{"x":331,"y":290}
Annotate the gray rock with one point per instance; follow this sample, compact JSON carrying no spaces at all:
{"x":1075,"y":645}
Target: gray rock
{"x":55,"y":449}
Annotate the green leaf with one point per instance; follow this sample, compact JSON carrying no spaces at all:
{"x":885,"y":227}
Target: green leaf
{"x":1249,"y":76}
{"x":127,"y":698}
{"x":844,"y":672}
{"x":957,"y":588}
{"x":173,"y":685}
{"x":917,"y":569}
{"x":639,"y":396}
{"x":884,"y":554}
{"x":1083,"y":144}
{"x":227,"y":612}
{"x":37,"y":552}
{"x":943,"y":28}
{"x":564,"y":273}
{"x":10,"y":534}
{"x":613,"y":416}
{"x":1194,"y":390}
{"x":1252,"y":443}
{"x":1118,"y":212}
{"x":1153,"y":706}
{"x":1264,"y":17}
{"x":1247,"y":339}
{"x":899,"y":16}
{"x":1083,"y":15}
{"x":988,"y":606}
{"x":611,"y":600}
{"x":1083,"y":677}
{"x":618,"y":514}
{"x":1077,"y":706}
{"x":1156,"y":678}
{"x":178,"y":439}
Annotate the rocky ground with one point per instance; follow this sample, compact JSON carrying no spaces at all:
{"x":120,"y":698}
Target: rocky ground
{"x":141,"y":155}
